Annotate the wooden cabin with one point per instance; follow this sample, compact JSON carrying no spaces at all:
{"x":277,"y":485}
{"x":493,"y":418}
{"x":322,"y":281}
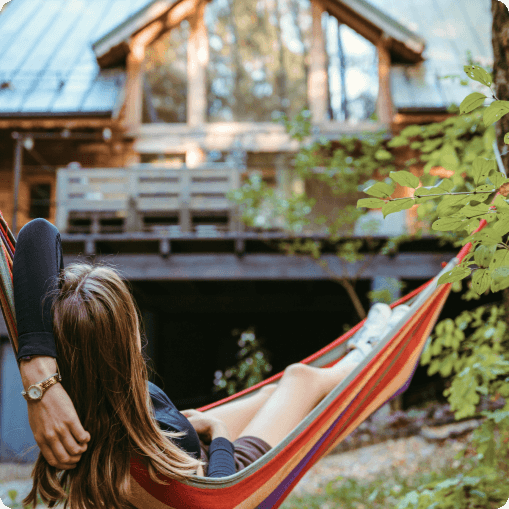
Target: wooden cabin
{"x":127,"y":123}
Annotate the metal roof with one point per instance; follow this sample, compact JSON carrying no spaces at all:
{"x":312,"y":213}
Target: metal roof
{"x":47,"y":65}
{"x":450,"y":28}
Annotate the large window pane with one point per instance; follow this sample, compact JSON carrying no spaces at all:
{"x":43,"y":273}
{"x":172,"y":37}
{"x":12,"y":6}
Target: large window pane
{"x":258,"y":58}
{"x":353,"y":72}
{"x":165,"y":84}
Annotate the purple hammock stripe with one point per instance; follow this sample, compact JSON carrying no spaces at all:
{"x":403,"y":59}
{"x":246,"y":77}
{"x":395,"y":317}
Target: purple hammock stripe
{"x":273,"y":498}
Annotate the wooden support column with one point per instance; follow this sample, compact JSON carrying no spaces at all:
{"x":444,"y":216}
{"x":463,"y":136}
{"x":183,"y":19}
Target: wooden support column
{"x":133,"y":101}
{"x":384,"y":107}
{"x":134,"y":88}
{"x":197,"y":62}
{"x":318,"y":80}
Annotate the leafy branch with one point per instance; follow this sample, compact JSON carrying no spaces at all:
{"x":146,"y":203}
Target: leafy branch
{"x":462,"y":199}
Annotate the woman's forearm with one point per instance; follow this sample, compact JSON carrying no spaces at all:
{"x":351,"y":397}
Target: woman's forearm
{"x":36,"y":369}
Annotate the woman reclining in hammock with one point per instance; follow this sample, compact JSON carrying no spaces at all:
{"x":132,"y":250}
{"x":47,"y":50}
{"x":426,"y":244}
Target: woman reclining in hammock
{"x":85,"y":318}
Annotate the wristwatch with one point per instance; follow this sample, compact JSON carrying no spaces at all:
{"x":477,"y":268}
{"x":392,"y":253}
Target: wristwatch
{"x":36,"y":391}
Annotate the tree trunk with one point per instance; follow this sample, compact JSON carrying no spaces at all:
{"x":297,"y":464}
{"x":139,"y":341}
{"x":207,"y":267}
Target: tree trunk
{"x":500,"y":41}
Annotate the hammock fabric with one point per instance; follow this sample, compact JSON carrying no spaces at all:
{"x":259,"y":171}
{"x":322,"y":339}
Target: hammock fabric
{"x":383,"y":375}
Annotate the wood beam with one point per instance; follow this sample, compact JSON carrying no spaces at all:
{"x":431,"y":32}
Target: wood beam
{"x":404,"y":50}
{"x":133,"y":96}
{"x":197,"y":62}
{"x":225,"y":136}
{"x":349,"y":17}
{"x":210,"y":267}
{"x":385,"y":108}
{"x":318,"y":80}
{"x":68,"y":122}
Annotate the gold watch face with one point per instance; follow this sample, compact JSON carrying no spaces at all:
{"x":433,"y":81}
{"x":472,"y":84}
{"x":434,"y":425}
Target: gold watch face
{"x":34,"y":392}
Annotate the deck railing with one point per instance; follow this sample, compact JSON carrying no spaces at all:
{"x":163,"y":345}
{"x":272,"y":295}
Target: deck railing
{"x":146,"y":198}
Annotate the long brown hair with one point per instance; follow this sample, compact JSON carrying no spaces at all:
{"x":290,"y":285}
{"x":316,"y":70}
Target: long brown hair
{"x":96,"y":327}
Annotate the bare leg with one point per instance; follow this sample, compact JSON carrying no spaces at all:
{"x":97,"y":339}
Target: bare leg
{"x":237,"y":414}
{"x":299,"y":391}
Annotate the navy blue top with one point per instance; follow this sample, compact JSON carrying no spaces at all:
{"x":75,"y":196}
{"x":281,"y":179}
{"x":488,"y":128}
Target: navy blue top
{"x":37,"y":262}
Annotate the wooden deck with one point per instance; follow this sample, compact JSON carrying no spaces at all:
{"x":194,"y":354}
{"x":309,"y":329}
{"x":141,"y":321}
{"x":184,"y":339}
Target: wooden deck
{"x":240,"y":256}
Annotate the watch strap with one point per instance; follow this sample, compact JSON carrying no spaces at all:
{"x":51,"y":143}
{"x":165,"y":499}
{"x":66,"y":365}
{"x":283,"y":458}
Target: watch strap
{"x":44,"y":384}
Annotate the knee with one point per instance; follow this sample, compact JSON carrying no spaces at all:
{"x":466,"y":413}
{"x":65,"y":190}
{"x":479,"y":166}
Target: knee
{"x":267,"y":390}
{"x":300,"y":371}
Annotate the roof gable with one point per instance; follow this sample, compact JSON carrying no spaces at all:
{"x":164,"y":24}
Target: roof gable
{"x":370,"y":22}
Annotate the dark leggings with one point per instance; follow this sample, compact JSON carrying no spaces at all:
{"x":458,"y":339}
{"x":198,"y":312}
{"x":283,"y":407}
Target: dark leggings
{"x":37,"y":262}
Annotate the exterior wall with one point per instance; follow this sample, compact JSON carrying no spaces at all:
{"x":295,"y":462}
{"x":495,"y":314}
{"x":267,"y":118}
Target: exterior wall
{"x":39,"y":165}
{"x":16,"y":439}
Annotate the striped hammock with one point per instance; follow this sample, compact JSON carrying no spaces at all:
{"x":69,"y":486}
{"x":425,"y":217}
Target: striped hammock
{"x":384,"y":374}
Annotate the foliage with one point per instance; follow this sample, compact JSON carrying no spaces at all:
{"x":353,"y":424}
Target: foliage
{"x":338,"y":169}
{"x":474,"y":195}
{"x":385,"y":491}
{"x":472,"y":350}
{"x":251,"y":368}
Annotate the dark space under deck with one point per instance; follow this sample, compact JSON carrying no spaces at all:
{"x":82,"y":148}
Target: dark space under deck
{"x":194,"y":296}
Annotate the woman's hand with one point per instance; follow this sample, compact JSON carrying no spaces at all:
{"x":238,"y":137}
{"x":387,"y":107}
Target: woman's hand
{"x":207,"y":428}
{"x":53,"y":419}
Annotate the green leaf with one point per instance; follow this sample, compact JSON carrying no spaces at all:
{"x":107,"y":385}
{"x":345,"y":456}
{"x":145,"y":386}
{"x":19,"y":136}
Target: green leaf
{"x":501,"y":227}
{"x":497,"y":178}
{"x":471,"y":102}
{"x":370,"y":203}
{"x":451,"y":204}
{"x":485,"y":187}
{"x":473,"y":211}
{"x":383,"y":155}
{"x":488,"y":237}
{"x":477,"y":73}
{"x":380,"y":190}
{"x":500,"y":259}
{"x":481,"y":168}
{"x":397,"y":205}
{"x":483,"y":255}
{"x":499,"y":279}
{"x":506,"y":138}
{"x":456,"y":274}
{"x":448,"y":224}
{"x":501,"y":203}
{"x":495,"y":111}
{"x":449,"y":157}
{"x":445,"y":185}
{"x":481,"y":281}
{"x":404,"y":178}
{"x":423,"y":191}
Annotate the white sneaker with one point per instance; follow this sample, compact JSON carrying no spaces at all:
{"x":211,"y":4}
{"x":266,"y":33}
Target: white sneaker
{"x":377,"y":318}
{"x":372,"y":336}
{"x":397,"y":314}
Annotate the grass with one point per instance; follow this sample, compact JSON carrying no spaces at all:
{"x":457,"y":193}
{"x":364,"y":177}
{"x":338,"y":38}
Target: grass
{"x":381,"y":493}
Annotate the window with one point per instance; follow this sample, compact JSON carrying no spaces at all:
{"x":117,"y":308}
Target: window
{"x":353,"y":72}
{"x":258,"y":62}
{"x":165,"y":79}
{"x":40,"y":201}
